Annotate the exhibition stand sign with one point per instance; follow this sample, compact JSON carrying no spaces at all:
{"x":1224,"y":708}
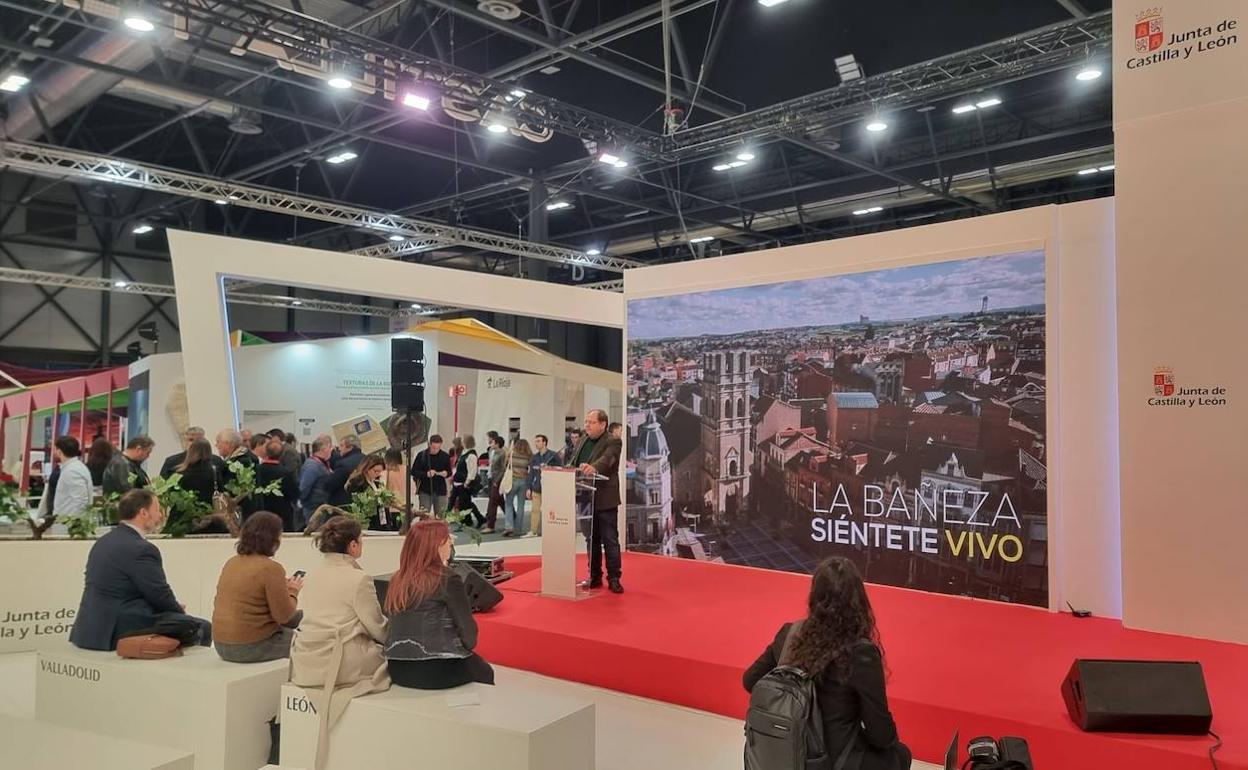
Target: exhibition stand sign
{"x":896,"y":417}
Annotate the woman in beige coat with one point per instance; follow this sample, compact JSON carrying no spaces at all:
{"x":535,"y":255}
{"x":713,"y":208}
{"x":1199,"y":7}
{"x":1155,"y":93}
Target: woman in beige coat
{"x":337,"y":647}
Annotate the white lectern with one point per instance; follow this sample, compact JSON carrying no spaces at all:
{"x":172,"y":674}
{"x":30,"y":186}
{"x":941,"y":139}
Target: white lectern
{"x":559,"y":534}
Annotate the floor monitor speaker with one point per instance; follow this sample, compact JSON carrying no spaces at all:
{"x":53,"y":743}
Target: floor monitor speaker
{"x":1138,"y":696}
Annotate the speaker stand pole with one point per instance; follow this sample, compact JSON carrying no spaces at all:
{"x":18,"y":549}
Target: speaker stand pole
{"x":407,"y":474}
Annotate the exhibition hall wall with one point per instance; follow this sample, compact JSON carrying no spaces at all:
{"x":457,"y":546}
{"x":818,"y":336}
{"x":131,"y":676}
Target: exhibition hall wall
{"x":1180,"y":111}
{"x":970,"y":362}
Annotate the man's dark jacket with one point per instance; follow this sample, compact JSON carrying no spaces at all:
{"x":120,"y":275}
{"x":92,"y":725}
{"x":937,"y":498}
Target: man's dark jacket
{"x":426,"y":461}
{"x":126,"y":590}
{"x":335,"y":484}
{"x":171,"y":462}
{"x":606,"y":460}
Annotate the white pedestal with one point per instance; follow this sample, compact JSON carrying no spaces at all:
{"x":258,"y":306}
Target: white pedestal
{"x":475,"y":726}
{"x":40,"y":746}
{"x":218,"y":711}
{"x":559,"y":534}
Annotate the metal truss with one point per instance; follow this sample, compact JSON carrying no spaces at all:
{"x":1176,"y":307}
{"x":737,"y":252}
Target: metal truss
{"x":55,"y":162}
{"x":301,"y":43}
{"x":90,"y":283}
{"x":1027,"y":55}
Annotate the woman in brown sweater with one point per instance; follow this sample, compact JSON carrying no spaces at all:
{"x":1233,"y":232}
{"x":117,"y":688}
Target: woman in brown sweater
{"x":255,"y":610}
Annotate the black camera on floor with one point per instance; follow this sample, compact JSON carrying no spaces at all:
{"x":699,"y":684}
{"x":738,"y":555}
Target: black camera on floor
{"x":987,"y":753}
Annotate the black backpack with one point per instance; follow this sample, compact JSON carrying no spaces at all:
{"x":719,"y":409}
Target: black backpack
{"x":784,"y":727}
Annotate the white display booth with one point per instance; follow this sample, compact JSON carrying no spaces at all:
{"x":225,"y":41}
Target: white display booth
{"x":202,"y":263}
{"x":305,"y":387}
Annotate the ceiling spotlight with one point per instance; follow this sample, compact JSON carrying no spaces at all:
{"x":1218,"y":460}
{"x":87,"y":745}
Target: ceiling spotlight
{"x":1086,"y":171}
{"x":341,"y":157}
{"x":13,"y":82}
{"x":138,"y":22}
{"x":848,"y":68}
{"x":611,"y":159}
{"x":962,"y":108}
{"x":705,"y":238}
{"x":869,"y":210}
{"x":340,"y":82}
{"x":519,"y":93}
{"x":296,"y":302}
{"x":416,"y":101}
{"x":721,"y":167}
{"x":221,"y":202}
{"x":1090,"y":72}
{"x":991,"y":101}
{"x":120,"y":284}
{"x":142,"y":229}
{"x":593,"y":252}
{"x":496,"y":128}
{"x":558,"y":205}
{"x":415,"y":306}
{"x":877,"y":125}
{"x":745,"y":156}
{"x":396,"y":238}
{"x":1110,"y":167}
{"x":769,"y":3}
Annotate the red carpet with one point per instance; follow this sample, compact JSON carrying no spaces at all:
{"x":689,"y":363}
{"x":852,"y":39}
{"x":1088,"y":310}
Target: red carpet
{"x":685,"y":631}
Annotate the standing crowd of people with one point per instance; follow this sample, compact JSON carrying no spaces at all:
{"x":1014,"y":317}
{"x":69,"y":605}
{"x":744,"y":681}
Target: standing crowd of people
{"x":507,"y":473}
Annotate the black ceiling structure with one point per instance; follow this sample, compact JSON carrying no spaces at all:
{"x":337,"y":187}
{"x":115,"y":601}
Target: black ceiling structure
{"x":526,"y":97}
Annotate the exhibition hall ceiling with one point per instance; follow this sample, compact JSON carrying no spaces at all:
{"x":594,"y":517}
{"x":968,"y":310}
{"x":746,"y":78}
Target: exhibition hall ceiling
{"x":547,"y":121}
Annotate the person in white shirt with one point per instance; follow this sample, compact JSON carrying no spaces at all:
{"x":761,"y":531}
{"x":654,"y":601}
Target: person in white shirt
{"x":74,"y":490}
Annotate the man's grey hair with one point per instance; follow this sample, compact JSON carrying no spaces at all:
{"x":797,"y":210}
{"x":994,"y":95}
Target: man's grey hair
{"x":320,"y":443}
{"x":231,"y":437}
{"x":351,"y":440}
{"x":194,"y":430}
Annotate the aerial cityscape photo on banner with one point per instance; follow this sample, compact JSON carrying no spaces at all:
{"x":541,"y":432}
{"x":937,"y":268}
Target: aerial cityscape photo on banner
{"x":896,"y":417}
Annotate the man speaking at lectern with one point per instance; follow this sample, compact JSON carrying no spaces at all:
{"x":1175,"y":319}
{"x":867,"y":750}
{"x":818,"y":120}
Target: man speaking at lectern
{"x":599,"y":453}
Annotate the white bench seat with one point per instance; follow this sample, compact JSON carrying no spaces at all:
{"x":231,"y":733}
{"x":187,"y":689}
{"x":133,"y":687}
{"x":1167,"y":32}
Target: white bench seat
{"x":196,"y":702}
{"x":476,"y":726}
{"x":33,"y":745}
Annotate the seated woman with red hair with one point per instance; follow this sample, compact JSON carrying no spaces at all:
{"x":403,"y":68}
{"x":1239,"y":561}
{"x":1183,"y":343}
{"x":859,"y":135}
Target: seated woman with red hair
{"x":431,"y":630}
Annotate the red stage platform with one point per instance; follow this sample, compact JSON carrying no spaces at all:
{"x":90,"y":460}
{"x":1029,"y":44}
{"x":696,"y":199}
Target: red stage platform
{"x":685,"y":631}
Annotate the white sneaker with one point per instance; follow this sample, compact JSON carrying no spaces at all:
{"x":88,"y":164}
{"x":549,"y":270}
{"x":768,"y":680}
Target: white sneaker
{"x":529,"y":534}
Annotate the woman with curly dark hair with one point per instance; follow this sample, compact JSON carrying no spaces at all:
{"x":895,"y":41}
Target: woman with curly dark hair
{"x":838,"y":645}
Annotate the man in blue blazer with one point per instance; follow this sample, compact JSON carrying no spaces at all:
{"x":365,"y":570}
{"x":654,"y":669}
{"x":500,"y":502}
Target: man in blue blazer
{"x":126,"y":591}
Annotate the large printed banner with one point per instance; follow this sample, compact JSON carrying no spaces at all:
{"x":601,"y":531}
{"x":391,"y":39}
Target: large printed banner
{"x":896,"y":417}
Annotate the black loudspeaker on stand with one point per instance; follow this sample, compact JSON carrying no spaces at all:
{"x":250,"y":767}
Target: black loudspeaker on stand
{"x":407,"y":396}
{"x":1138,"y":696}
{"x":407,"y":374}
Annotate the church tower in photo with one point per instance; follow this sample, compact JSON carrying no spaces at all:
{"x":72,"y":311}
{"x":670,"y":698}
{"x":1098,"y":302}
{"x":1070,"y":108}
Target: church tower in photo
{"x":652,"y":484}
{"x":727,"y":448}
